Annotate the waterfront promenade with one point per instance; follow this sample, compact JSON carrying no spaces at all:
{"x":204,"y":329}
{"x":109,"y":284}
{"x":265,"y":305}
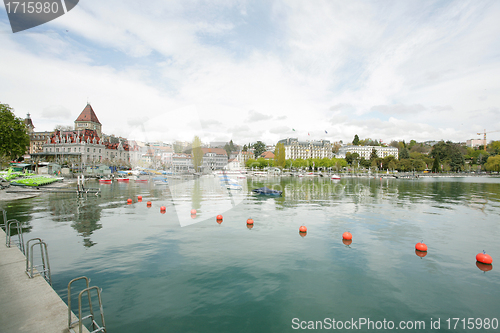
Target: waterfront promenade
{"x":27,"y":305}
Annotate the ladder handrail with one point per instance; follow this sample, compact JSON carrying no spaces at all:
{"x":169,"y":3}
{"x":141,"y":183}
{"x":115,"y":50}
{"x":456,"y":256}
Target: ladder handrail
{"x":87,"y":280}
{"x":45,"y":259}
{"x":19,"y":234}
{"x":94,"y":324}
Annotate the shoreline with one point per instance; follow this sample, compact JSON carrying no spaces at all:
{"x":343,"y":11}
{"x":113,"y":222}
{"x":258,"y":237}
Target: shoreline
{"x":6,"y":196}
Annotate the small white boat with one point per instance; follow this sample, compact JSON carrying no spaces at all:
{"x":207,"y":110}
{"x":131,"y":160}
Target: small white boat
{"x":335,"y":177}
{"x":234,"y":186}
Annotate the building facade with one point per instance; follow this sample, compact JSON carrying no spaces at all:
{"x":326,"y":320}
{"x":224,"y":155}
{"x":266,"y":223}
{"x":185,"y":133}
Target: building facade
{"x":295,"y":149}
{"x":365,"y":151}
{"x":214,"y":158}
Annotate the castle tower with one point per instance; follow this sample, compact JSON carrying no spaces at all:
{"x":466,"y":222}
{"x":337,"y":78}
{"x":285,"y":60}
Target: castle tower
{"x":88,"y":120}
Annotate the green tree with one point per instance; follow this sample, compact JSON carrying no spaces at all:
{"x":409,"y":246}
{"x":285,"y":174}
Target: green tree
{"x":259,"y":147}
{"x":403,"y":154}
{"x":493,"y":163}
{"x":436,"y":166}
{"x":245,"y":148}
{"x":251,"y":163}
{"x":373,"y":154}
{"x":14,"y":138}
{"x":197,"y":153}
{"x":229,"y":148}
{"x":494,"y":147}
{"x":279,"y":155}
{"x":355,"y":142}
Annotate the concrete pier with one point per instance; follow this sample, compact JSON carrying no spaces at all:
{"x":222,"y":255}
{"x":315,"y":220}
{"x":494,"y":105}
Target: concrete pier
{"x":27,"y":305}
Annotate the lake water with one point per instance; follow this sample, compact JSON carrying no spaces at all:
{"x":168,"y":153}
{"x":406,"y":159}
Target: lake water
{"x":174,"y":273}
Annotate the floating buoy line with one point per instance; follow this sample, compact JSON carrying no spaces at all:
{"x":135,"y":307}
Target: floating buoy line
{"x":483,"y":260}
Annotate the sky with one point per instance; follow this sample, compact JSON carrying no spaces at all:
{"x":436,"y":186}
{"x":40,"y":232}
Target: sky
{"x":261,"y":70}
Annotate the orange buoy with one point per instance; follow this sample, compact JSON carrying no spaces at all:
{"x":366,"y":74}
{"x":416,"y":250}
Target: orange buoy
{"x":249,"y":221}
{"x":484,"y":258}
{"x":163,"y":209}
{"x":303,"y":229}
{"x":347,"y":235}
{"x":347,"y":241}
{"x":421,"y":247}
{"x":219,"y":217}
{"x":484,"y":267}
{"x":129,"y":200}
{"x":421,"y":254}
{"x":148,"y":203}
{"x":139,"y":197}
{"x":193,"y":211}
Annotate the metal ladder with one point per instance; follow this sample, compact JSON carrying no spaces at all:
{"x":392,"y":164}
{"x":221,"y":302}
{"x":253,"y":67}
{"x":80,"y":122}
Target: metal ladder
{"x":20,"y":237}
{"x":44,"y":269}
{"x":80,"y":319}
{"x":4,"y":221}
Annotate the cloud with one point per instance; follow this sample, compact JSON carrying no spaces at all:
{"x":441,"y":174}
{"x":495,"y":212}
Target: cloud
{"x":254,"y":116}
{"x":398,"y":109}
{"x":57,"y":112}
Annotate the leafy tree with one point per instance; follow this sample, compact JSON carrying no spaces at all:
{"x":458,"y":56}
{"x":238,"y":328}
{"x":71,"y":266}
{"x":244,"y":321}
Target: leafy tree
{"x":494,"y":147}
{"x":355,"y":142}
{"x":259,"y":147}
{"x":351,"y":158}
{"x":251,"y":163}
{"x":364,"y":163}
{"x":403,"y":154}
{"x":493,"y":163}
{"x":245,"y":148}
{"x":279,"y":155}
{"x":197,"y":153}
{"x":335,"y":147}
{"x":436,"y":166}
{"x":14,"y":138}
{"x":229,"y":148}
{"x":373,"y":154}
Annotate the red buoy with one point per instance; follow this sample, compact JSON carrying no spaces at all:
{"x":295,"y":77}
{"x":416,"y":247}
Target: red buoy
{"x":484,"y":267}
{"x":421,"y":247}
{"x":219,"y":218}
{"x":421,"y":254}
{"x":347,"y":241}
{"x":129,"y":200}
{"x":163,"y":209}
{"x":139,"y":197}
{"x":484,"y":258}
{"x":303,"y":229}
{"x":148,"y":203}
{"x":347,"y":235}
{"x":249,"y":221}
{"x":193,"y":211}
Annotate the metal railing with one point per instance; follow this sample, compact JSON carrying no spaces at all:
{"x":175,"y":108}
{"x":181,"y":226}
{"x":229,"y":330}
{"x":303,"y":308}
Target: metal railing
{"x":42,"y":269}
{"x":95,"y":326}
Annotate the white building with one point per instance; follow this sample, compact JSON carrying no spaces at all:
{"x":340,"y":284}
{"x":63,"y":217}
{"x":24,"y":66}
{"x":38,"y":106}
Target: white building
{"x":295,"y":149}
{"x":365,"y":151}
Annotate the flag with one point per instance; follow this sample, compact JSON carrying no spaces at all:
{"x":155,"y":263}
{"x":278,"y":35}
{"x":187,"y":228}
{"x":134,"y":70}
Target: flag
{"x":308,"y":134}
{"x":326,"y":132}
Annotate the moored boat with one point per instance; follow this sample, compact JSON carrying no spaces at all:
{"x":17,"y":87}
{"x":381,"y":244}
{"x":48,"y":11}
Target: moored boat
{"x":335,"y":177}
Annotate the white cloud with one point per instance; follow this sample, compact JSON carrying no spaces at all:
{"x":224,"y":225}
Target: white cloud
{"x":393,"y":71}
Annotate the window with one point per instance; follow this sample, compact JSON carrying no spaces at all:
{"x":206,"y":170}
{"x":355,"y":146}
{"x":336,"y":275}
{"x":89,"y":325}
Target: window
{"x":88,"y":150}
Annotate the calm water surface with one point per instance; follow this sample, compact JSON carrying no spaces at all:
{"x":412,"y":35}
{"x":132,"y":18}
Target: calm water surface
{"x":171,"y":273}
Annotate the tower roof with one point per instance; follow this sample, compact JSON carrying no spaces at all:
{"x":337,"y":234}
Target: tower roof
{"x":88,"y":114}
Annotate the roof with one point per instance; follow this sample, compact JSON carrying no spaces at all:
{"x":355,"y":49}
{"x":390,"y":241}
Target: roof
{"x":88,"y":114}
{"x":218,"y":151}
{"x":28,"y":121}
{"x":267,"y":154}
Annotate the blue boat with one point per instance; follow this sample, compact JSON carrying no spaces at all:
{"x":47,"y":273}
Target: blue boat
{"x":267,"y":191}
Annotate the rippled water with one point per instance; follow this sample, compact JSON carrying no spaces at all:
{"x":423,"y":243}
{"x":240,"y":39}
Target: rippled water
{"x":159,"y":276}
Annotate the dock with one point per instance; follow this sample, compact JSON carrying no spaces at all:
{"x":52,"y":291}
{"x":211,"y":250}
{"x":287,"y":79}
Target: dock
{"x":28,"y":305}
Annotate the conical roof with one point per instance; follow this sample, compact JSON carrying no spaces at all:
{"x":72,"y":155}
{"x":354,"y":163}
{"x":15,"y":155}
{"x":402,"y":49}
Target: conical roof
{"x":88,"y":114}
